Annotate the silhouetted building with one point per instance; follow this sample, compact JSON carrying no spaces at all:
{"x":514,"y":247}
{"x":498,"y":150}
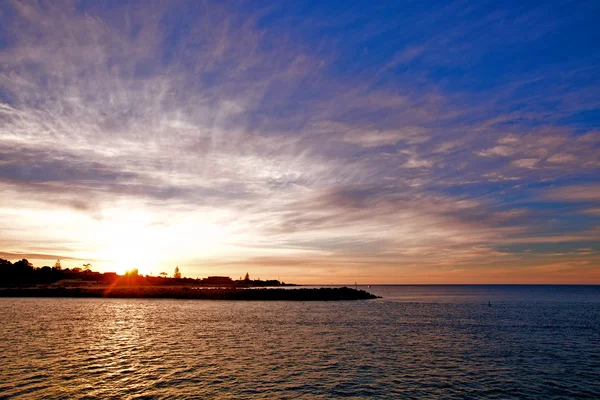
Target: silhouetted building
{"x":220,"y":280}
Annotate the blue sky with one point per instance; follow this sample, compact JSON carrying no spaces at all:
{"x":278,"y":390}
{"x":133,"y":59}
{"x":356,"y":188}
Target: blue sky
{"x":412,"y":142}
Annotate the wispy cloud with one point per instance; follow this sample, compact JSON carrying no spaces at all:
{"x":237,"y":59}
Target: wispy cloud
{"x":224,"y":138}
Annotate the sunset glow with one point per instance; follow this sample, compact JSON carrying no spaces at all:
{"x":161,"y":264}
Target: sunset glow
{"x":302,"y":143}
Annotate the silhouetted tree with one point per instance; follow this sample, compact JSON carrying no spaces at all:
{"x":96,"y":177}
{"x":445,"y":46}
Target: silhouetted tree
{"x":23,"y":264}
{"x":45,"y":274}
{"x":163,"y":274}
{"x":57,"y":265}
{"x":247,"y":278}
{"x":176,"y":273}
{"x":21,"y":271}
{"x":87,"y":267}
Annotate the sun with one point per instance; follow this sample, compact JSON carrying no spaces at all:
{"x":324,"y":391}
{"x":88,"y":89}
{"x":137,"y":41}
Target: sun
{"x":133,"y":257}
{"x":129,"y":242}
{"x":131,"y":236}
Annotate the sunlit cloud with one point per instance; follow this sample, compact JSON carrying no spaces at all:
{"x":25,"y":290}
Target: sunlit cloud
{"x":205,"y":136}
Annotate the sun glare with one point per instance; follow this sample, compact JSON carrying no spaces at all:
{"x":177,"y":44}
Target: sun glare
{"x":136,"y":256}
{"x":128,"y":241}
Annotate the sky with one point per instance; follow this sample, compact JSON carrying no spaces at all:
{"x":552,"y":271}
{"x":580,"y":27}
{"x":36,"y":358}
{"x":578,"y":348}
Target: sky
{"x":306,"y":141}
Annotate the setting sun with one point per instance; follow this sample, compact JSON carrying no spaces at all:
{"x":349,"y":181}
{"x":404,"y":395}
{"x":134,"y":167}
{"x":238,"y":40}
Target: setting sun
{"x":127,"y":240}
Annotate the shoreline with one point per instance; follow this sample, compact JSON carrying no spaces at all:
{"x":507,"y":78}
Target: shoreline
{"x":275,"y":294}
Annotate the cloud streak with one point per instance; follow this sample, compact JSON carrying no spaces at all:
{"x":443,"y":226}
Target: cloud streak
{"x":247,"y":144}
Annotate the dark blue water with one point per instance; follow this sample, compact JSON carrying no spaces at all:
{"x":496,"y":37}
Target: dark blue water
{"x":416,"y":342}
{"x":505,"y":294}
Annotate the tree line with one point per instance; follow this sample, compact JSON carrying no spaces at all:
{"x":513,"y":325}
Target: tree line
{"x":23,"y":272}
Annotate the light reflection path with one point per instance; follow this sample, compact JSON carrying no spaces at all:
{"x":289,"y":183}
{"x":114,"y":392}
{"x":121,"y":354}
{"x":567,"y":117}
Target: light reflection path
{"x":124,"y":348}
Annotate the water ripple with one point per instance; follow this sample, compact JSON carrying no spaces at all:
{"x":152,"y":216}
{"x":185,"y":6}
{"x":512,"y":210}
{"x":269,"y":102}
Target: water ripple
{"x":134,"y":348}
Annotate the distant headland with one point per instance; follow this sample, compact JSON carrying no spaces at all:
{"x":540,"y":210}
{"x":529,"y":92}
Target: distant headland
{"x":22,"y":279}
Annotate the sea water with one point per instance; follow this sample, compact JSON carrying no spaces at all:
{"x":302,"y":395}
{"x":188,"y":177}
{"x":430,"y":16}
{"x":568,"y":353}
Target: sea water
{"x":415,"y":342}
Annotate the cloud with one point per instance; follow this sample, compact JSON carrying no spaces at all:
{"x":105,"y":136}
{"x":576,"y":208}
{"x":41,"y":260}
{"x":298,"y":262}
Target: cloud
{"x":497,"y":151}
{"x":562,"y":158}
{"x":574,"y":193}
{"x":32,"y":256}
{"x":213,"y":120}
{"x":526,"y":163}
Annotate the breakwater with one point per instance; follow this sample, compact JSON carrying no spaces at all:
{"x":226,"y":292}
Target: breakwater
{"x":303,"y":294}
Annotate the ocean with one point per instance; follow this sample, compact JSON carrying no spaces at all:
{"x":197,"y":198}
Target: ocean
{"x":450,"y":342}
